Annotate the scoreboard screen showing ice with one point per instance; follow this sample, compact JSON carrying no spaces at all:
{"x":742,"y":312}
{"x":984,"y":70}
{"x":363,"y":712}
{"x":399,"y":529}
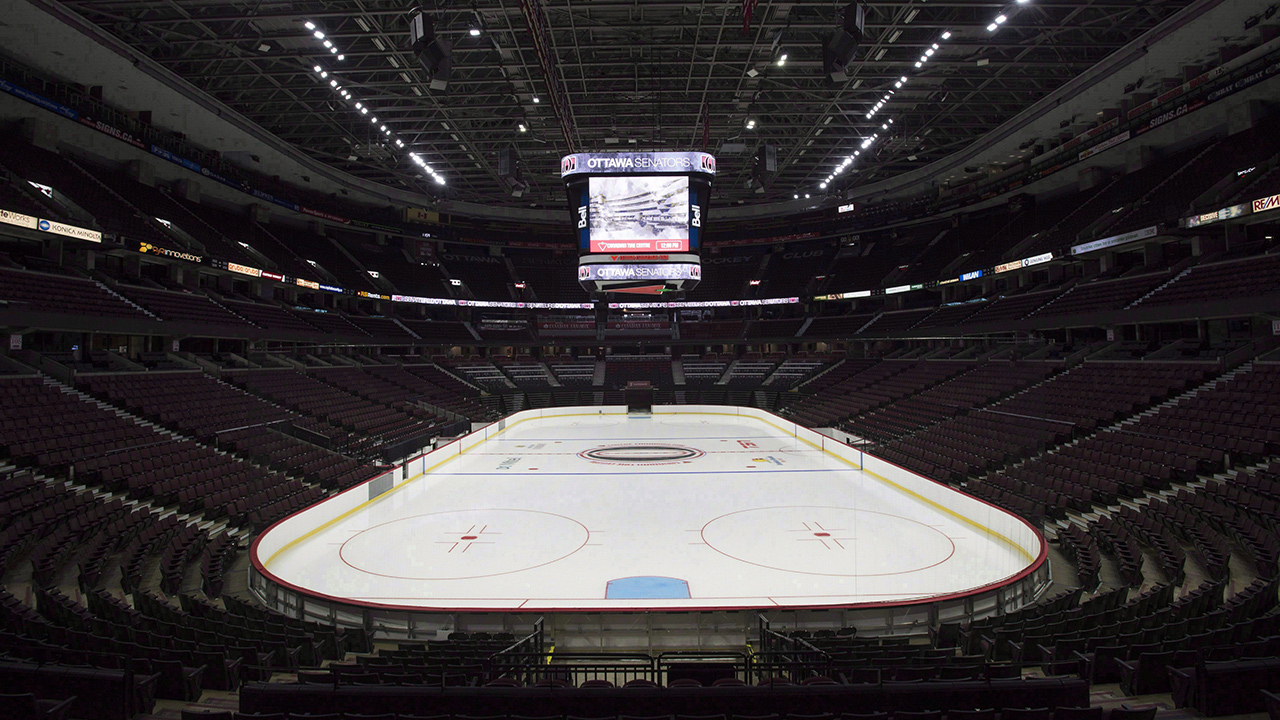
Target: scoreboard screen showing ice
{"x":639,"y":218}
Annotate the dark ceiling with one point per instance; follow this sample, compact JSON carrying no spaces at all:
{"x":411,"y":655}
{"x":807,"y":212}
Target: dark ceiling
{"x":636,"y":75}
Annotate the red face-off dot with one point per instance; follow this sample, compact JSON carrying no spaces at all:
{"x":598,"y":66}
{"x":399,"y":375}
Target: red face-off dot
{"x":470,"y":537}
{"x":815,"y":535}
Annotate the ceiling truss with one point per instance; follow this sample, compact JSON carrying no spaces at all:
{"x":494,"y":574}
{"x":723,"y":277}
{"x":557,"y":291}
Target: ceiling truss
{"x":637,"y":75}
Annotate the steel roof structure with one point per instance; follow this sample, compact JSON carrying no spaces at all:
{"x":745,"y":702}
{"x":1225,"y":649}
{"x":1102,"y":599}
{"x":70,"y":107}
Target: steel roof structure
{"x":617,"y":75}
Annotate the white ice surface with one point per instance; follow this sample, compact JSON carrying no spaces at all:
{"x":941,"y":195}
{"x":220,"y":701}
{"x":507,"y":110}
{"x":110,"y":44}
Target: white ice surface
{"x":757,"y":518}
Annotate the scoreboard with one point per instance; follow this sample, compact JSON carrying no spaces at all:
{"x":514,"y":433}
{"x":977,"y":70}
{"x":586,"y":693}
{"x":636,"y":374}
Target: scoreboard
{"x":639,"y":218}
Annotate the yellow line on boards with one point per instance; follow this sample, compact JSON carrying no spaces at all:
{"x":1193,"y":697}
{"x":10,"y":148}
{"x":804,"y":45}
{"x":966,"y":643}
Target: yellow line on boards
{"x":462,"y":451}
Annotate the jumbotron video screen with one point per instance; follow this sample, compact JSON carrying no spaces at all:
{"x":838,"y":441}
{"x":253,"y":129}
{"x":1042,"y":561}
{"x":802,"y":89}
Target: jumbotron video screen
{"x":643,"y":213}
{"x":639,"y":218}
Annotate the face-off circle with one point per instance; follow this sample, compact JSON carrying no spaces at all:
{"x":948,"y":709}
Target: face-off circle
{"x":641,"y":454}
{"x":464,"y":544}
{"x":830,"y":541}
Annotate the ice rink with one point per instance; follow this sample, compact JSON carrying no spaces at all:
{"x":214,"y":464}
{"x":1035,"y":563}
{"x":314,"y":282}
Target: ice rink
{"x":599,"y":511}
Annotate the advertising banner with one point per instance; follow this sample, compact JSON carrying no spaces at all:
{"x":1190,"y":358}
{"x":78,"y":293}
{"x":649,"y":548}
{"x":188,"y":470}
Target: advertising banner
{"x":1266,"y":203}
{"x":1170,"y":116}
{"x":37,"y":99}
{"x":1115,"y":240}
{"x":113,"y":131}
{"x":1225,"y":213}
{"x":575,"y":326}
{"x":640,"y":271}
{"x":71,"y":231}
{"x":8,"y":217}
{"x":845,"y":295}
{"x":149,"y":249}
{"x":175,"y":159}
{"x":1104,"y":145}
{"x":645,"y":163}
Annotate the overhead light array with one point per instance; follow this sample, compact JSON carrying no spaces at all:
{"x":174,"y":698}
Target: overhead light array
{"x":885,"y":123}
{"x":924,"y":58}
{"x":388,"y":136}
{"x":1003,"y":16}
{"x":328,"y":44}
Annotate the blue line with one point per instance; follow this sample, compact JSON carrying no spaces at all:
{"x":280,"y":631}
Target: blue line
{"x":644,"y":439}
{"x":499,"y":473}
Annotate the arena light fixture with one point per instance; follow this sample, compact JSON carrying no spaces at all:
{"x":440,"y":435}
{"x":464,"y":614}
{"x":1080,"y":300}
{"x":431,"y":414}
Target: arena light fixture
{"x":523,"y":128}
{"x":902,"y":80}
{"x":310,"y":25}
